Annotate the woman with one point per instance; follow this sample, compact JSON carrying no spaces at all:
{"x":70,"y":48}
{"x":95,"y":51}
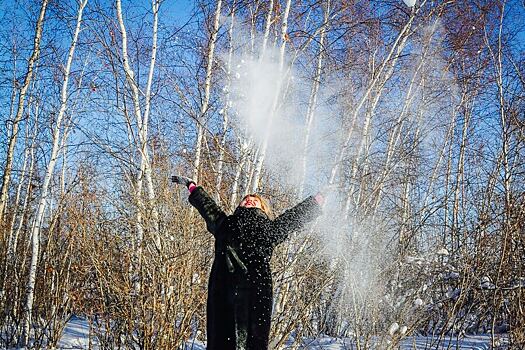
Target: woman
{"x":240,"y":287}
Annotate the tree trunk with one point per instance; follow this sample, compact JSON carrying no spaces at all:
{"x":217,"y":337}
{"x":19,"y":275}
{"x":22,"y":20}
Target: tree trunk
{"x":222,"y":144}
{"x":267,"y":27}
{"x":505,"y":134}
{"x":14,"y":227}
{"x":255,"y":181}
{"x":20,"y":110}
{"x":35,"y":228}
{"x":207,"y":87}
{"x":368,"y":121}
{"x":401,"y":38}
{"x":244,"y":157}
{"x":397,"y":127}
{"x":312,"y":102}
{"x":145,"y":171}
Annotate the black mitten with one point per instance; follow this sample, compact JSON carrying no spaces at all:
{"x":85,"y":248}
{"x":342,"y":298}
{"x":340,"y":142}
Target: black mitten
{"x":182,"y":180}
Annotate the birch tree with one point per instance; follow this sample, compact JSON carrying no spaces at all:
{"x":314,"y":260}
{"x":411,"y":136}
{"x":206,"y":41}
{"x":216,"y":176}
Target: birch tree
{"x":312,"y":102}
{"x":19,"y":216}
{"x":225,"y":110}
{"x":388,"y":63}
{"x":201,"y":124}
{"x":245,"y":141}
{"x":397,"y":128}
{"x":4,"y":190}
{"x":267,"y":26}
{"x":142,"y":120}
{"x":375,"y":91}
{"x":261,"y":154}
{"x":496,"y":54}
{"x":43,"y":198}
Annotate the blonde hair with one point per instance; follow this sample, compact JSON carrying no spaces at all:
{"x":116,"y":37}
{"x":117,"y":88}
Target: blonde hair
{"x":264,"y":203}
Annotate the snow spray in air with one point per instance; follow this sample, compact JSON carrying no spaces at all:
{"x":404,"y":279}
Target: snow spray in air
{"x":268,"y":99}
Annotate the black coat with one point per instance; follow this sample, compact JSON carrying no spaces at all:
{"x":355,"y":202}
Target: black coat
{"x":240,"y":287}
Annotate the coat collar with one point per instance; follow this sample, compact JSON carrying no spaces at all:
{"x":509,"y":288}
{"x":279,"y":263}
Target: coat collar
{"x":247,"y":213}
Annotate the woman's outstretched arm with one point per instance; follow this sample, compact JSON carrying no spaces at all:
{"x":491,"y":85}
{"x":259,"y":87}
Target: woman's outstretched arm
{"x":209,"y":210}
{"x":296,"y":218}
{"x":202,"y":201}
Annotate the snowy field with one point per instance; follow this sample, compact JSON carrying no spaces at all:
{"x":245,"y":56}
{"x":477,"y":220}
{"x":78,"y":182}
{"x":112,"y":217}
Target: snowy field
{"x":76,"y":337}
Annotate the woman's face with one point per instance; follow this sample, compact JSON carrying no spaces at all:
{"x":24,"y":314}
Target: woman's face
{"x":251,"y":202}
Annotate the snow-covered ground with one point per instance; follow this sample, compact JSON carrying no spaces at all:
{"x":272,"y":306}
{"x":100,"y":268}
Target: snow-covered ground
{"x":76,"y":337}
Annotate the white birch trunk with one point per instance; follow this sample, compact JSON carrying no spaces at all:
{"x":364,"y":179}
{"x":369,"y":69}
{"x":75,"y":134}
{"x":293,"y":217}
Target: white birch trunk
{"x":12,"y":102}
{"x":222,"y":145}
{"x":26,"y":163}
{"x":20,"y":110}
{"x":435,"y":169}
{"x":130,"y":78}
{"x":406,"y":205}
{"x":284,"y":34}
{"x":145,"y":171}
{"x":264,"y":146}
{"x":250,"y":169}
{"x":9,"y":136}
{"x":368,"y":120}
{"x":267,"y":27}
{"x":19,"y":210}
{"x":207,"y":88}
{"x":459,"y":181}
{"x":446,"y":186}
{"x":35,"y":229}
{"x":23,"y":212}
{"x":398,"y":124}
{"x":144,"y":132}
{"x":505,"y":134}
{"x":312,"y":103}
{"x":346,"y":144}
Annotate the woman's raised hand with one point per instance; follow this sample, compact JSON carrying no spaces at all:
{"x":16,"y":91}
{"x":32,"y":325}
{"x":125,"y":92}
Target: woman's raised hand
{"x":320,"y":196}
{"x":182,"y":180}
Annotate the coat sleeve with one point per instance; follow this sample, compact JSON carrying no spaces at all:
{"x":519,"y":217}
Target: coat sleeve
{"x":209,"y":210}
{"x":294,"y":219}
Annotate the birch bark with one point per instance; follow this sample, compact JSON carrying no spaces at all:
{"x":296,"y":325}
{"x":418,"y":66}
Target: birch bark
{"x":505,"y":134}
{"x":379,"y":75}
{"x":42,"y":202}
{"x":313,"y":96}
{"x":264,"y":145}
{"x":222,"y":145}
{"x":20,"y":209}
{"x":398,"y":124}
{"x":20,"y":109}
{"x":207,"y":88}
{"x":368,"y":120}
{"x":267,"y":27}
{"x":142,"y":118}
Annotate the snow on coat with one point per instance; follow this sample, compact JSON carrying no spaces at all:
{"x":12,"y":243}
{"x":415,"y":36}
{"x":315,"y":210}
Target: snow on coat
{"x":240,"y":292}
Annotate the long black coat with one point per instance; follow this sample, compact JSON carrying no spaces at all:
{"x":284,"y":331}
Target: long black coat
{"x":240,"y":287}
